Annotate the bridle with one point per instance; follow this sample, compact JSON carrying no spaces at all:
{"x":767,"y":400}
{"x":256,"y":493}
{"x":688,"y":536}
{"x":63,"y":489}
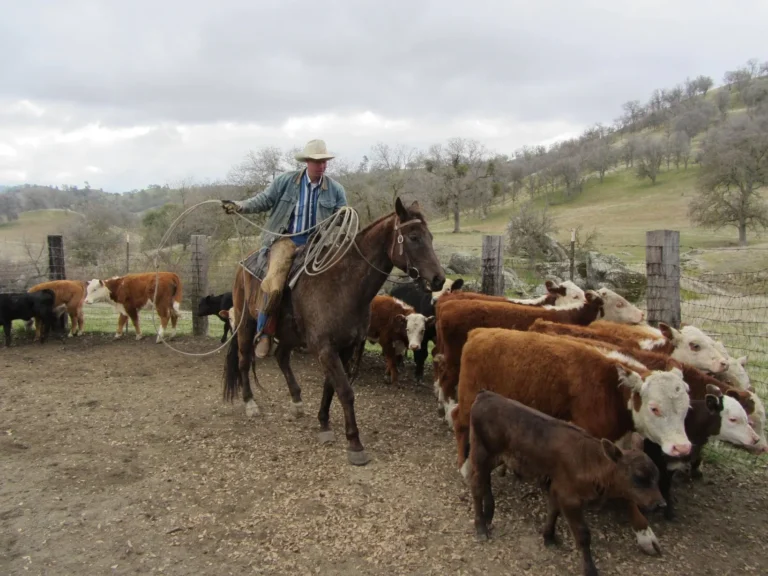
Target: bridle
{"x":398,"y":239}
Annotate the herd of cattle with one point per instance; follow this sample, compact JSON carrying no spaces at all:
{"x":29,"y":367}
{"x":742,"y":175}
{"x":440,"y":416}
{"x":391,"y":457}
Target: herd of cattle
{"x":573,"y":387}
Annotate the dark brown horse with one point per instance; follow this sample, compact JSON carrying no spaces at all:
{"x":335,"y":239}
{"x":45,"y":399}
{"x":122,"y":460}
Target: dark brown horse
{"x":329,"y":314}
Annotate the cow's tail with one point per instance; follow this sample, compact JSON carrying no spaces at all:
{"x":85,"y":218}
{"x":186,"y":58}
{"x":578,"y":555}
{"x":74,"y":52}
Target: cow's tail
{"x":232,"y":371}
{"x":176,"y":295}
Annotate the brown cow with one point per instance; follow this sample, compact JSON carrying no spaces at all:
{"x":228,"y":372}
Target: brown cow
{"x":132,"y":292}
{"x":689,"y":345}
{"x":579,"y":467}
{"x":457,"y":316}
{"x":70,"y":296}
{"x":573,"y":381}
{"x":395,"y":325}
{"x":696,"y":379}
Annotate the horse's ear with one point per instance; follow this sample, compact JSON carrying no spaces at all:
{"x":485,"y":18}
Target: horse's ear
{"x":402,"y":213}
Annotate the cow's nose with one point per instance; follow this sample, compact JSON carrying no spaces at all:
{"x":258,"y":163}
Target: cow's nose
{"x":414,"y":347}
{"x":681,"y":449}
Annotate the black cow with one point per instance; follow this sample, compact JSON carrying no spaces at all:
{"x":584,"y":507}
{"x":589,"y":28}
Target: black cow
{"x":26,"y":306}
{"x":211,"y":304}
{"x":423,"y":303}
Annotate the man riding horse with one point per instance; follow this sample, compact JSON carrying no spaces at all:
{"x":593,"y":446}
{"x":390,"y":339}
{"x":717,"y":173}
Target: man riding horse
{"x":299,"y":200}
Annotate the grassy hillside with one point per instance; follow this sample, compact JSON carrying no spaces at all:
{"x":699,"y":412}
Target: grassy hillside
{"x":34,"y":226}
{"x":621,"y":210}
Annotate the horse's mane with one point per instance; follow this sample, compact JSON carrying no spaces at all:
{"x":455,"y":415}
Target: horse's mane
{"x":412,"y":213}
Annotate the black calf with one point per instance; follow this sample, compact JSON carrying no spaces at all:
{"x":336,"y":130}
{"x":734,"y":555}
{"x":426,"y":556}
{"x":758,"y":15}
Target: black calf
{"x":212,"y":305}
{"x":26,"y":306}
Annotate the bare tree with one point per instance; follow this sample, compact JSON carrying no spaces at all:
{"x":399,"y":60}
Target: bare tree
{"x":649,"y":158}
{"x":691,"y":88}
{"x":755,"y":97}
{"x":629,"y":151}
{"x":527,"y":231}
{"x":734,"y":169}
{"x":680,"y":148}
{"x":394,"y":167}
{"x":704,"y":83}
{"x":633,"y":113}
{"x":458,"y":169}
{"x":258,"y":168}
{"x":723,"y":102}
{"x":694,"y":120}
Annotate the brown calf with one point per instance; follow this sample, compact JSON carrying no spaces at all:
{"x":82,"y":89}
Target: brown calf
{"x":70,"y":295}
{"x":395,"y":326}
{"x":573,"y":381}
{"x":132,"y":292}
{"x":456,"y":317}
{"x":579,"y":467}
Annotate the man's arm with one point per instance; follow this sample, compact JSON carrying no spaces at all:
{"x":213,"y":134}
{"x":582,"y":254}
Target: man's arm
{"x":262,"y":201}
{"x":341,"y":198}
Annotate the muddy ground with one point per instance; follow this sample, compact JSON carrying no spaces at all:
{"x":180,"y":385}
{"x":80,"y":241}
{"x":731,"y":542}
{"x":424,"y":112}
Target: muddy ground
{"x":121,"y":458}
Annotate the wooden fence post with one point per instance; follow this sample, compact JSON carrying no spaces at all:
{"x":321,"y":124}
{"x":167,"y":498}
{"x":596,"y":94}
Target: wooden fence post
{"x":662,"y":263}
{"x":56,"y":268}
{"x":493,"y":265}
{"x":199,"y":282}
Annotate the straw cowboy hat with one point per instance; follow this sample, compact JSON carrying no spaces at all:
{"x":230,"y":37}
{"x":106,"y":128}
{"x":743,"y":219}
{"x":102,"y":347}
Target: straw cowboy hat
{"x":314,"y":150}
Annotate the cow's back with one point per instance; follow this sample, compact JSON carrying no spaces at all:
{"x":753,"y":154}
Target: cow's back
{"x":566,"y":380}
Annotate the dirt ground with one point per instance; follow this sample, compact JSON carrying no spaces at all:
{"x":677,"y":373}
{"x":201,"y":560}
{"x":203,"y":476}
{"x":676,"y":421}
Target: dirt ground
{"x":121,"y":458}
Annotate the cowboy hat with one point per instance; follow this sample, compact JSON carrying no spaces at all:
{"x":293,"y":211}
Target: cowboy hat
{"x":314,"y":150}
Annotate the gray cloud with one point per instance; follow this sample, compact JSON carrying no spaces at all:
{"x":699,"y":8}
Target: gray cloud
{"x":533,"y":69}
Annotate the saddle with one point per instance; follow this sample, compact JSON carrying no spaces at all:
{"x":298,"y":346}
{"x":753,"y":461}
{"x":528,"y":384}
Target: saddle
{"x":272,"y":266}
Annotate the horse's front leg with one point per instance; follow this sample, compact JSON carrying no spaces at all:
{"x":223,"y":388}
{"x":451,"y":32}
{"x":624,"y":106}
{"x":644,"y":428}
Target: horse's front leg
{"x":334,"y":370}
{"x":283,"y":356}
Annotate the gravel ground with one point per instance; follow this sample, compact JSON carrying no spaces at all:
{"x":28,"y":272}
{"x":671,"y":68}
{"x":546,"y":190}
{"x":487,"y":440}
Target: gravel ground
{"x":121,"y":458}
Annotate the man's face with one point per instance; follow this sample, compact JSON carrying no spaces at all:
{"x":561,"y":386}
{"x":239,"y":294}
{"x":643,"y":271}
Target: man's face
{"x":316,"y":168}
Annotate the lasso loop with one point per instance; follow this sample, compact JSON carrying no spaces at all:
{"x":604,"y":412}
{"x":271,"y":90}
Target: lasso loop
{"x":337,"y":238}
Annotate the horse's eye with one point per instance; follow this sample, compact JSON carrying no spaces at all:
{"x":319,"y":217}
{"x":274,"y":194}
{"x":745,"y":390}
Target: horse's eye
{"x":413,"y":238}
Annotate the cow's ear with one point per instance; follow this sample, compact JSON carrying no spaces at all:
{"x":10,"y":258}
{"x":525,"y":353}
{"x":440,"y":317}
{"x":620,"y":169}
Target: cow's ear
{"x":457,"y":284}
{"x":713,"y":403}
{"x":399,"y":320}
{"x":611,"y":450}
{"x":430,"y":320}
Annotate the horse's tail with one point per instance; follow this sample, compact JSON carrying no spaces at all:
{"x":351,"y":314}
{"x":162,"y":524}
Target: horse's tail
{"x":232,"y":371}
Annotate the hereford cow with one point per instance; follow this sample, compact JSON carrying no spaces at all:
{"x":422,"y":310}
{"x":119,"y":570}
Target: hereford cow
{"x":717,"y":417}
{"x":70,"y":296}
{"x":25,"y":306}
{"x":556,"y":295}
{"x":736,"y":373}
{"x":574,"y":382}
{"x":579,"y":467}
{"x":424,"y":304}
{"x":219,"y":306}
{"x":395,"y":326}
{"x":132,"y":292}
{"x":689,"y":345}
{"x":457,"y":316}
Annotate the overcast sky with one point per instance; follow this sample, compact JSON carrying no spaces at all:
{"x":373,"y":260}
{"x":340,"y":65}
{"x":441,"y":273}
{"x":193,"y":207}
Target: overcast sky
{"x":127,"y":94}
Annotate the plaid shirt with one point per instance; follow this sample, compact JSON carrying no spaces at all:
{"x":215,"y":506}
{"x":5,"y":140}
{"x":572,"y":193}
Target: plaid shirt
{"x":304,"y":215}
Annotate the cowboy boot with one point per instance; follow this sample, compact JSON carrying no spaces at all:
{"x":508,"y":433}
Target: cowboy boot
{"x":263,"y":346}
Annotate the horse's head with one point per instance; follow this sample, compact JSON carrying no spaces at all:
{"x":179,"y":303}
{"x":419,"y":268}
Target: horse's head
{"x":412,"y":250}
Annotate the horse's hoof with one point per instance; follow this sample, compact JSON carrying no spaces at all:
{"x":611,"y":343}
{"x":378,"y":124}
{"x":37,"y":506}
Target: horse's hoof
{"x":326,"y":437}
{"x":251,"y":409}
{"x":359,"y":458}
{"x":297,"y":409}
